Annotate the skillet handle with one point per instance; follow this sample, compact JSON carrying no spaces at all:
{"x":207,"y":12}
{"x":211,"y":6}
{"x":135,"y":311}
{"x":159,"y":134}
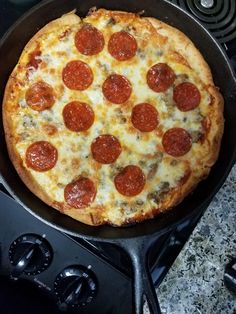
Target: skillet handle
{"x":137,"y":249}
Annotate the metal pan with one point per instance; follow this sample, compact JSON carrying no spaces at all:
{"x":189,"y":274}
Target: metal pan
{"x":135,"y":240}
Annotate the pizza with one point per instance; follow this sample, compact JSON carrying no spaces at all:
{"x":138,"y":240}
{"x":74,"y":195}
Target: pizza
{"x":113,"y":118}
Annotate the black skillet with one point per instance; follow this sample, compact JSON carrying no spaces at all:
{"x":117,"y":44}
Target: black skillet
{"x":135,"y":240}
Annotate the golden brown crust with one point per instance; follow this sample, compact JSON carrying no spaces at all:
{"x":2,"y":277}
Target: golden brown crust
{"x":25,"y":175}
{"x":183,"y":52}
{"x":185,"y":47}
{"x":133,"y":19}
{"x":67,"y":19}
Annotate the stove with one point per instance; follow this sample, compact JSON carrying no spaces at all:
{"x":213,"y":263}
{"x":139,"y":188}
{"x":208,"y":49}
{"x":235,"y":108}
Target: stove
{"x":218,"y":17}
{"x":53,"y":261}
{"x":76,"y":274}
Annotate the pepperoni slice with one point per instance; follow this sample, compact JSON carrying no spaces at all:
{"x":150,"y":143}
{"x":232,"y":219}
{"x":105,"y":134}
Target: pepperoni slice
{"x":40,"y":96}
{"x":144,"y":117}
{"x":106,"y":149}
{"x":78,"y":116}
{"x":122,"y":46}
{"x":160,"y":77}
{"x":130,"y":181}
{"x":80,"y":193}
{"x":77,"y":75}
{"x":89,"y":40}
{"x":41,"y":156}
{"x":117,"y":89}
{"x":187,"y":96}
{"x":177,"y":142}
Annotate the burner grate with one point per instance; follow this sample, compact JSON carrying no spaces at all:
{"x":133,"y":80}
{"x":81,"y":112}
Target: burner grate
{"x":218,"y":16}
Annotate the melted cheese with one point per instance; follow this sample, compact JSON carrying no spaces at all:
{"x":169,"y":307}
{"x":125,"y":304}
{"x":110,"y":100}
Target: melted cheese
{"x":162,"y":172}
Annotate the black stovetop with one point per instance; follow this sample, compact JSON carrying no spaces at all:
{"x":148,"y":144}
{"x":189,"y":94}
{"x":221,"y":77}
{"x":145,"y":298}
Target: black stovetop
{"x":220,"y":20}
{"x":62,"y":254}
{"x":218,"y":17}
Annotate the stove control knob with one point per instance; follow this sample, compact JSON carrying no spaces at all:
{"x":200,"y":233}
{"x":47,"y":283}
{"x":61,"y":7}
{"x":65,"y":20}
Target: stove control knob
{"x":30,"y":254}
{"x":74,"y":287}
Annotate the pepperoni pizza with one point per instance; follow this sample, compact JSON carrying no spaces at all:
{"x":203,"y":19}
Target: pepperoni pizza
{"x":112,"y":119}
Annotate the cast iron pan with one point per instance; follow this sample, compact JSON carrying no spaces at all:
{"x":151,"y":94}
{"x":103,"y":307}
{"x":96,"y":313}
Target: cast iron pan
{"x":135,"y":240}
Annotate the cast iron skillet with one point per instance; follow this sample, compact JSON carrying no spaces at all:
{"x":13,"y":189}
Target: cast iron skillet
{"x":135,"y":240}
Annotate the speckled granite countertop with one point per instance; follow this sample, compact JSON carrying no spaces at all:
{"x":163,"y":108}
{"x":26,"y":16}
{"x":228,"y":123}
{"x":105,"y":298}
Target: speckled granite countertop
{"x":194,"y":284}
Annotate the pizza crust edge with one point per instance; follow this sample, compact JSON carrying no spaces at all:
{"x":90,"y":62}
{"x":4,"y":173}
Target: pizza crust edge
{"x":65,"y":20}
{"x":187,"y":48}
